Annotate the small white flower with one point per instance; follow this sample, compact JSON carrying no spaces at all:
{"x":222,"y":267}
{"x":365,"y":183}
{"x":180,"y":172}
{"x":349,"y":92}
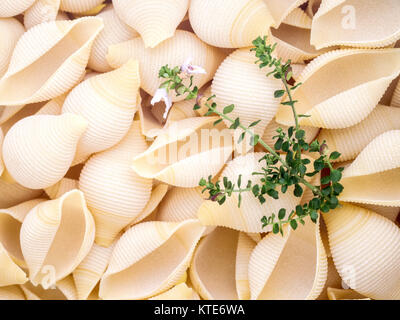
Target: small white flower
{"x":162,"y":94}
{"x":188,"y":68}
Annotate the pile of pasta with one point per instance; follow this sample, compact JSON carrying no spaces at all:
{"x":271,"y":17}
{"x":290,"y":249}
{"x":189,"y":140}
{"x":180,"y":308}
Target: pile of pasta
{"x":99,"y":195}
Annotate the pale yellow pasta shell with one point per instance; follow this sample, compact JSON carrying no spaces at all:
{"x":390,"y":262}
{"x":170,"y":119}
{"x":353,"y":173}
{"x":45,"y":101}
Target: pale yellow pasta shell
{"x":155,"y":20}
{"x":31,"y":77}
{"x":348,"y":22}
{"x":229,"y":23}
{"x":179,"y":292}
{"x":366,"y":250}
{"x":9,"y":8}
{"x":78,"y":6}
{"x":174,"y":52}
{"x":212,"y":271}
{"x":63,"y":290}
{"x":184,"y":146}
{"x":41,"y":11}
{"x":10,"y":272}
{"x":135,"y":271}
{"x":108,"y":102}
{"x":333,"y":278}
{"x":11,"y":194}
{"x":282,"y":9}
{"x":344,"y":294}
{"x":245,"y":247}
{"x":277,"y":261}
{"x":115,"y":31}
{"x":390,"y":213}
{"x":313,"y":6}
{"x":61,"y":187}
{"x":395,"y":102}
{"x":115,"y":194}
{"x":253,"y":95}
{"x":351,"y":141}
{"x":12,"y":293}
{"x":39,"y":150}
{"x":1,"y":147}
{"x":333,"y":103}
{"x":374,"y":176}
{"x":298,"y":18}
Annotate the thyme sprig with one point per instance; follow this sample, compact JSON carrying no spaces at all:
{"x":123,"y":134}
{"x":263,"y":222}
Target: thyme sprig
{"x":284,"y":165}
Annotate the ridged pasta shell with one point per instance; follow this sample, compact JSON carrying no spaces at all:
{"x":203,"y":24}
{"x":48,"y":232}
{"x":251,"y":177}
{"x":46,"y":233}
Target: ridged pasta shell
{"x":38,"y":150}
{"x":41,"y":11}
{"x":298,"y":18}
{"x":351,"y":141}
{"x":253,"y":95}
{"x":135,"y":271}
{"x":374,"y":176}
{"x":212,"y":271}
{"x":344,"y":294}
{"x":1,"y":148}
{"x":333,"y":278}
{"x":31,"y":78}
{"x":390,"y":213}
{"x":91,"y":269}
{"x":395,"y":102}
{"x":366,"y":250}
{"x":281,"y":9}
{"x":247,"y":218}
{"x":184,"y":146}
{"x":50,"y":249}
{"x":339,"y":22}
{"x":277,"y":261}
{"x":179,"y":292}
{"x":78,"y":6}
{"x":11,"y":193}
{"x":115,"y":31}
{"x":12,"y":293}
{"x":313,"y":6}
{"x":245,"y":247}
{"x":333,"y":103}
{"x":62,"y":290}
{"x":114,"y":193}
{"x":174,"y":51}
{"x":9,"y":8}
{"x":229,"y":23}
{"x":10,"y":272}
{"x":108,"y":102}
{"x":61,"y":187}
{"x":155,"y":20}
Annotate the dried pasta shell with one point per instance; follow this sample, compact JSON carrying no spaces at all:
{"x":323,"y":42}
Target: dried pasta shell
{"x":27,"y":157}
{"x":173,"y":51}
{"x":276,"y":261}
{"x":62,"y":290}
{"x":61,"y":187}
{"x":339,"y":22}
{"x":91,"y":269}
{"x":357,"y":236}
{"x":312,"y":7}
{"x":247,"y":218}
{"x":78,"y":6}
{"x":253,"y":95}
{"x":108,"y":102}
{"x":298,"y":18}
{"x":1,"y":147}
{"x":10,"y":272}
{"x":41,"y":11}
{"x":333,"y":278}
{"x":390,"y":213}
{"x":377,"y":170}
{"x":155,"y":20}
{"x":212,"y":271}
{"x":9,"y":8}
{"x":115,"y":31}
{"x":11,"y":193}
{"x":179,"y":292}
{"x":229,"y":23}
{"x":31,"y":78}
{"x":341,"y":104}
{"x":50,"y":249}
{"x":184,"y":146}
{"x":115,"y":194}
{"x":395,"y":102}
{"x":281,"y":9}
{"x":245,"y":247}
{"x":344,"y":294}
{"x":134,"y":271}
{"x":351,"y":141}
{"x":12,"y":293}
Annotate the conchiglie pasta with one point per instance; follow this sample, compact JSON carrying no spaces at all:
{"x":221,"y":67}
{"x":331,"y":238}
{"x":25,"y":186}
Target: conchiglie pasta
{"x":49,"y":247}
{"x":79,"y":6}
{"x":333,"y":103}
{"x":39,"y":150}
{"x":41,"y":11}
{"x":31,"y":78}
{"x":179,"y":292}
{"x":61,"y":290}
{"x":12,"y":193}
{"x":356,"y":236}
{"x":135,"y":271}
{"x":61,"y":187}
{"x":229,"y":23}
{"x":282,"y":9}
{"x":155,"y":20}
{"x":245,"y":247}
{"x":173,"y":51}
{"x":9,"y":8}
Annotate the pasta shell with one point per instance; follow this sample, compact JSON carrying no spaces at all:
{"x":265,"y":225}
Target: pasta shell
{"x":298,"y":18}
{"x":10,"y":272}
{"x":173,"y":51}
{"x":50,"y":249}
{"x":344,"y":294}
{"x":1,"y":147}
{"x":366,"y":250}
{"x":134,"y":271}
{"x":11,"y":193}
{"x":31,"y":78}
{"x":115,"y":31}
{"x":395,"y":102}
{"x":281,"y":9}
{"x":115,"y":194}
{"x":253,"y":95}
{"x":41,"y":11}
{"x":351,"y":141}
{"x":313,"y":6}
{"x":390,"y":213}
{"x":155,"y":20}
{"x":277,"y":261}
{"x":9,"y":8}
{"x":62,"y":290}
{"x":377,"y":170}
{"x":333,"y":278}
{"x":108,"y":101}
{"x":91,"y":269}
{"x":245,"y":247}
{"x":184,"y":146}
{"x":61,"y":187}
{"x":229,"y":23}
{"x":336,"y":23}
{"x":77,"y":6}
{"x":179,"y":292}
{"x":247,"y":217}
{"x":11,"y":293}
{"x":341,"y":104}
{"x":27,"y":157}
